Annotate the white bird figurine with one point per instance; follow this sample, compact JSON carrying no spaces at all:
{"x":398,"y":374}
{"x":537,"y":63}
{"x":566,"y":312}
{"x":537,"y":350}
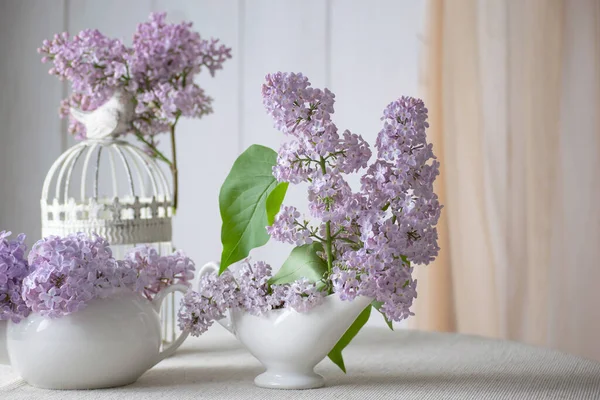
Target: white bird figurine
{"x":111,"y":118}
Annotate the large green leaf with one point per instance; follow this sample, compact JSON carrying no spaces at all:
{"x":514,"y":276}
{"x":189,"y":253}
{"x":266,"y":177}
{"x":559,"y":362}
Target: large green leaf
{"x":335,"y":354}
{"x":242,"y":202}
{"x":274,"y":201}
{"x":303,"y":262}
{"x":377,"y":305}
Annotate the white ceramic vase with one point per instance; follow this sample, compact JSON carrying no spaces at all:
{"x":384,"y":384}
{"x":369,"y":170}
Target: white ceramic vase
{"x":109,"y":343}
{"x":290,"y":344}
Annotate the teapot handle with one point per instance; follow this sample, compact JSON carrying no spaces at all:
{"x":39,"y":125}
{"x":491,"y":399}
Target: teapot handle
{"x":156,"y":303}
{"x":209,"y":268}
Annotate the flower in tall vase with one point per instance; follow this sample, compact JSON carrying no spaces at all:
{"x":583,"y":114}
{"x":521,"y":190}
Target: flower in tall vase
{"x":152,"y":81}
{"x":357,"y":250}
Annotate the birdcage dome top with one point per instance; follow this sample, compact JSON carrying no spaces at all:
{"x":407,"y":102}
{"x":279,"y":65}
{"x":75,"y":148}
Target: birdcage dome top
{"x":109,"y":187}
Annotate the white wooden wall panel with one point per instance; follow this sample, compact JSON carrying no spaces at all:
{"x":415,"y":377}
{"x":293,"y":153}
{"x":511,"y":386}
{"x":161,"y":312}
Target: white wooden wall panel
{"x":365,"y":51}
{"x":207,"y":147}
{"x":374,"y":53}
{"x":289,"y":36}
{"x":30,"y":137}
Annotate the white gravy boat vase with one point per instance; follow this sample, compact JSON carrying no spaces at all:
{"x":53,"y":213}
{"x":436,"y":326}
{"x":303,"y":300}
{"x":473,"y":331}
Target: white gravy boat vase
{"x":109,"y":343}
{"x":290,"y":344}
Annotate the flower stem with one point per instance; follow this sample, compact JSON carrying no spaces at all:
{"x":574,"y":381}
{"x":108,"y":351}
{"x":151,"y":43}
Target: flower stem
{"x":171,"y":163}
{"x":152,"y":147}
{"x":174,"y":169}
{"x":328,"y":239}
{"x":328,"y":246}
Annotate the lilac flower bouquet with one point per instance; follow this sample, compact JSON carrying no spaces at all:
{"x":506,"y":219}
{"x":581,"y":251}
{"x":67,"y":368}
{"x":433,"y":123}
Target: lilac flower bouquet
{"x":157,"y":72}
{"x":358,"y":243}
{"x":62,"y":275}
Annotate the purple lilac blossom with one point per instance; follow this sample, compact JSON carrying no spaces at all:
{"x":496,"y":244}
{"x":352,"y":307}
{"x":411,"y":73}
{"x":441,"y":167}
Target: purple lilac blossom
{"x":302,"y":295}
{"x":287,"y":229}
{"x":67,"y":273}
{"x":158,"y":71}
{"x":403,"y":180}
{"x":13,"y":269}
{"x":245,"y":289}
{"x":382,"y":230}
{"x":200,"y":309}
{"x":147,"y":272}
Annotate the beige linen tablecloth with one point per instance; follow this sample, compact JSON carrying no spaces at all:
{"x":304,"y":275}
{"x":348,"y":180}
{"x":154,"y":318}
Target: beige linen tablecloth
{"x":381,"y":365}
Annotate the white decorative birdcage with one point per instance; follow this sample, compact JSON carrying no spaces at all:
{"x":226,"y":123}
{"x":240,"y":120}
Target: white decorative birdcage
{"x":114,"y":189}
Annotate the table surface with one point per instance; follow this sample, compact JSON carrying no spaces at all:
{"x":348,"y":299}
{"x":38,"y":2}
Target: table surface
{"x":381,"y":365}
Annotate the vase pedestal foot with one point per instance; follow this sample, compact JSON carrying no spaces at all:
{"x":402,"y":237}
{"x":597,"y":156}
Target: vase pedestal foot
{"x":289,"y":380}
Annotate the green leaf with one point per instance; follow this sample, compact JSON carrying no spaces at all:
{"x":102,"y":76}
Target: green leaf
{"x":335,"y":354}
{"x":303,"y":262}
{"x":274,"y":201}
{"x":242,"y":202}
{"x":377,"y":305}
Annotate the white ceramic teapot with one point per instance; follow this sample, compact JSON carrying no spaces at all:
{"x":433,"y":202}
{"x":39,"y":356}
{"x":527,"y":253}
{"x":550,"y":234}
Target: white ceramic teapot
{"x":290,"y":344}
{"x":109,"y":343}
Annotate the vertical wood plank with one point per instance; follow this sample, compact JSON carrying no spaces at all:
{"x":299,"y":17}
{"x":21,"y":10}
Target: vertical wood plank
{"x":30,"y":134}
{"x":287,"y":36}
{"x":206,"y":148}
{"x":114,"y":18}
{"x":374,"y":53}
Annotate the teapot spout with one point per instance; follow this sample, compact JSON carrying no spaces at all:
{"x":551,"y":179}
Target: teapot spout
{"x":3,"y":350}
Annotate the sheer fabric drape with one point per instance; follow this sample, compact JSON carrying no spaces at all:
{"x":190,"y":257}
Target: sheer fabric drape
{"x":513,"y":90}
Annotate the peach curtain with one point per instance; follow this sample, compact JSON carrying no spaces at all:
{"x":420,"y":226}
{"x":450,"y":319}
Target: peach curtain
{"x":513,"y":90}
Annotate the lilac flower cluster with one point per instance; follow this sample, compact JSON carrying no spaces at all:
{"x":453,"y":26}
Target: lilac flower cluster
{"x":67,"y":273}
{"x":200,"y":309}
{"x":288,"y":229}
{"x":247,"y":289}
{"x":372,"y":237}
{"x":13,"y":268}
{"x":315,"y":148}
{"x":158,"y":72}
{"x":147,"y":272}
{"x":62,"y":275}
